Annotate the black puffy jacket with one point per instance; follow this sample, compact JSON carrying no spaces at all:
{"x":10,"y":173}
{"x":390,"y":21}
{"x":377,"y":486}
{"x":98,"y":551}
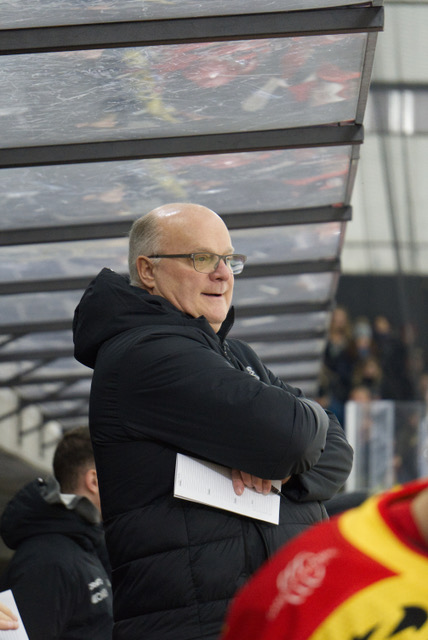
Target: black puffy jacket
{"x":59,"y":574}
{"x":164,"y":383}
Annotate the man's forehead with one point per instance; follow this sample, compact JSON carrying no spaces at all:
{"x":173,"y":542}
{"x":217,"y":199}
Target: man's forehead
{"x":201,"y":231}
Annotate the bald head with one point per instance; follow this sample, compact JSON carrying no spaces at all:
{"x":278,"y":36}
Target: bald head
{"x":160,"y":248}
{"x":154,"y":232}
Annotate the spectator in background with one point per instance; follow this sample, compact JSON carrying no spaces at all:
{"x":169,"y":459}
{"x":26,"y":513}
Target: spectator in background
{"x":363,"y":574}
{"x":369,"y":374}
{"x":358,"y":354}
{"x":422,"y":387}
{"x":338,"y":363}
{"x":415,"y":370}
{"x":363,"y":339}
{"x":59,"y":574}
{"x":408,"y":418}
{"x":361,"y":393}
{"x":393,"y":358}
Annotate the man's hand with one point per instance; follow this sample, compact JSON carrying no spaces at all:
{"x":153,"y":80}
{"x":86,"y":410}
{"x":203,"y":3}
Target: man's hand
{"x":7,"y":619}
{"x":241,"y":479}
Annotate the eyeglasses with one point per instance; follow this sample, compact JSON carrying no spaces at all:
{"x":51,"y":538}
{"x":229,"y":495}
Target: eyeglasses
{"x":208,"y":262}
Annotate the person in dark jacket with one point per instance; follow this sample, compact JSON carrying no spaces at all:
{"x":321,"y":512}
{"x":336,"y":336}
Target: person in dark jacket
{"x":60,"y":572}
{"x":168,"y":379}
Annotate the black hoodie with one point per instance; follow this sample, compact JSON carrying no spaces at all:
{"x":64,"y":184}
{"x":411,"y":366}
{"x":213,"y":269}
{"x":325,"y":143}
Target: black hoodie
{"x":59,"y":574}
{"x":164,"y":383}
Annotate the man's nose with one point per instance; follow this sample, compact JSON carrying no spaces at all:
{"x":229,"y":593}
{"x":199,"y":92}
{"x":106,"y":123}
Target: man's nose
{"x":222,"y":271}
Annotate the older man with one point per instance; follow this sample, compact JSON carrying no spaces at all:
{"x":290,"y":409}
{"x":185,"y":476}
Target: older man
{"x":168,"y":380}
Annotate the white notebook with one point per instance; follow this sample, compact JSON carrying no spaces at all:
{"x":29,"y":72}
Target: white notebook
{"x":211,"y":484}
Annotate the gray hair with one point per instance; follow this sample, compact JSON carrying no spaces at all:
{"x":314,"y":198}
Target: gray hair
{"x":144,"y":240}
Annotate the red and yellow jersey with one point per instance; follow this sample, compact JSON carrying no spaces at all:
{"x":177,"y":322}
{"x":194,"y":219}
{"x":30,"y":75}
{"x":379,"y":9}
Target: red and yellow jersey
{"x":355,"y":577}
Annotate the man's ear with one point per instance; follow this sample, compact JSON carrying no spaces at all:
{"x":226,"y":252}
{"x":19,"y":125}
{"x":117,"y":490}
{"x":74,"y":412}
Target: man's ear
{"x":145,"y":271}
{"x":90,"y":489}
{"x":91,"y":481}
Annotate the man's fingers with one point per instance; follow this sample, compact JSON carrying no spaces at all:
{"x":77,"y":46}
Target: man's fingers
{"x":238,"y":483}
{"x":241,"y":479}
{"x":8,"y":620}
{"x":261,"y":485}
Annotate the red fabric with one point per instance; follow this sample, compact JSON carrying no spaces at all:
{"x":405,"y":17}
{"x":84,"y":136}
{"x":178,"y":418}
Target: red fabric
{"x":309,"y":578}
{"x":399,"y":517}
{"x":301,"y":568}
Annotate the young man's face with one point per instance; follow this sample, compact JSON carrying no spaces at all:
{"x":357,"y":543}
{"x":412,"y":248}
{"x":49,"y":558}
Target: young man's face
{"x":195,"y":293}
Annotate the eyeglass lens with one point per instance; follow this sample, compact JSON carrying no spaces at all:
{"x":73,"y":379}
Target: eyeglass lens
{"x":208,"y":262}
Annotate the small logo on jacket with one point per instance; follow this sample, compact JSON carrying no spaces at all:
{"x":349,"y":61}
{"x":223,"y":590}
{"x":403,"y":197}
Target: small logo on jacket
{"x":98,"y":591}
{"x":251,"y":371}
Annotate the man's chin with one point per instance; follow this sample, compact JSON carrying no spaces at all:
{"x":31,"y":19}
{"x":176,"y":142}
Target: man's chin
{"x":216,"y":321}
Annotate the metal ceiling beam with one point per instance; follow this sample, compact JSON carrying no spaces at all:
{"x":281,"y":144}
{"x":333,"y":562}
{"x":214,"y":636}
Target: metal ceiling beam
{"x":299,"y":378}
{"x":353,"y":166}
{"x":44,"y":326}
{"x":36,"y":354}
{"x":187,"y":30}
{"x":281,"y":359}
{"x":65,"y":233}
{"x":366,"y":75}
{"x":250,"y":271}
{"x":216,"y":143}
{"x":311,"y":215}
{"x":120,"y":228}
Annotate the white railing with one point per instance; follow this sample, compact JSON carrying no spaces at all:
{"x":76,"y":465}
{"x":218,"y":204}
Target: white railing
{"x":390,"y":441}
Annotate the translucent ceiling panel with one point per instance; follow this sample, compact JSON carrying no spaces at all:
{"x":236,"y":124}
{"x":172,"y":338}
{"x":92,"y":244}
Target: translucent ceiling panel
{"x":58,"y":260}
{"x":290,"y":323}
{"x":285,"y":289}
{"x":290,"y":243}
{"x":86,"y":258}
{"x":35,"y":13}
{"x":235,"y":182}
{"x":175,"y":90}
{"x":38,"y":307}
{"x":53,"y":340}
